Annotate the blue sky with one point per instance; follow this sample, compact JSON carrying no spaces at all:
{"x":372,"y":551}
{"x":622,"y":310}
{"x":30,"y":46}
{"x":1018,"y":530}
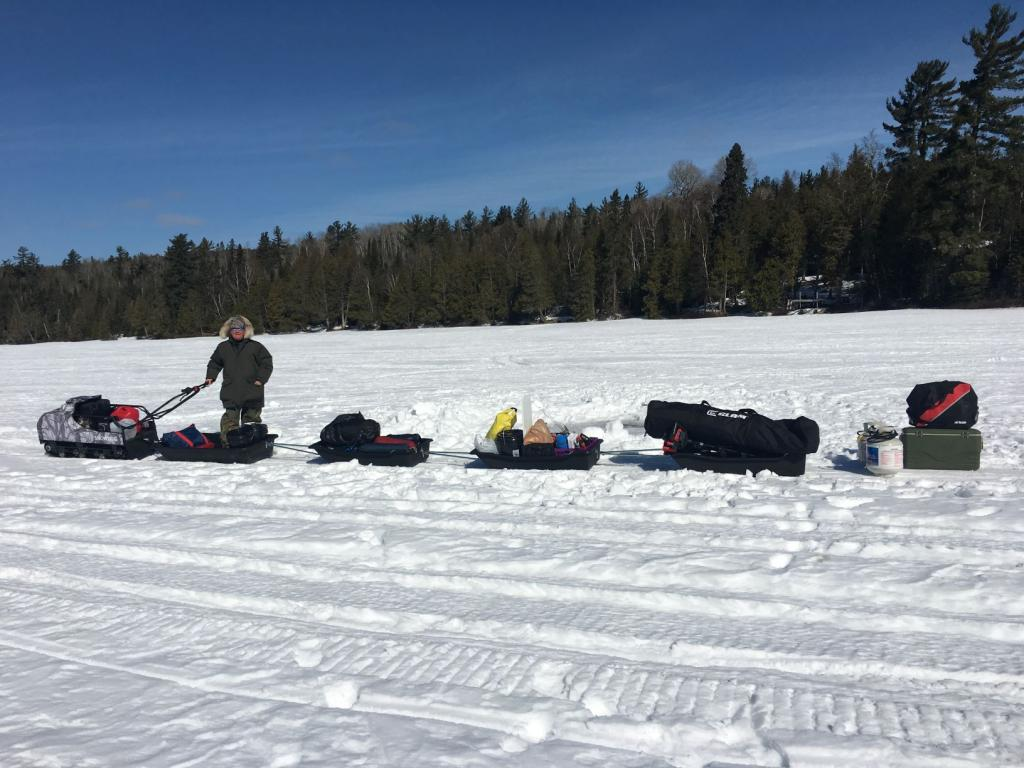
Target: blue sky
{"x":126,"y":123}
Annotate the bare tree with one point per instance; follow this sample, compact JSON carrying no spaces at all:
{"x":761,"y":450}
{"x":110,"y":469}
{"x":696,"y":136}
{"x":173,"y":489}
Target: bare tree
{"x":683,"y":178}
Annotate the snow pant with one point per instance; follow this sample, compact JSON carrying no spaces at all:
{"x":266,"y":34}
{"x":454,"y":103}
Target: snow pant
{"x":233,"y":418}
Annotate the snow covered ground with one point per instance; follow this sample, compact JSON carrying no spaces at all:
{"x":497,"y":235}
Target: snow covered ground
{"x":298,"y":613}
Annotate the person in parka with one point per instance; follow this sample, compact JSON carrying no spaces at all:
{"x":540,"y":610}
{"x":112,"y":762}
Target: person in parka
{"x":247,"y":366}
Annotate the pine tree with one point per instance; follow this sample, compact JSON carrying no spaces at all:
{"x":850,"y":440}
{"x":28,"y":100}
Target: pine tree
{"x":26,"y":262}
{"x":922,"y":113}
{"x":522,"y":214}
{"x":533,"y":293}
{"x":987,"y":127}
{"x":728,"y":235}
{"x":988,"y":116}
{"x":72,"y":261}
{"x":181,"y":276}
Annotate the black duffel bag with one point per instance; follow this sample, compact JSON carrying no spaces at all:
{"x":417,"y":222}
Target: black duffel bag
{"x":745,"y":431}
{"x":943,"y":405}
{"x":94,"y":413}
{"x":350,"y":429}
{"x":246,"y":435}
{"x":94,"y":408}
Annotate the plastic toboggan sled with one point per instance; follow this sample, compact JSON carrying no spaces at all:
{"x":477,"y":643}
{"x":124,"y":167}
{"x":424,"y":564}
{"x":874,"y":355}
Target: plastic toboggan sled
{"x":385,"y":451}
{"x":219,"y":453}
{"x":704,"y":438}
{"x":582,"y":457}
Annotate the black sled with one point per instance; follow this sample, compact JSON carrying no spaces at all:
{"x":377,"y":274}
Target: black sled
{"x":581,"y":457}
{"x":262,"y":448}
{"x":353,"y":437}
{"x":705,"y":459}
{"x":405,"y":451}
{"x":708,"y":439}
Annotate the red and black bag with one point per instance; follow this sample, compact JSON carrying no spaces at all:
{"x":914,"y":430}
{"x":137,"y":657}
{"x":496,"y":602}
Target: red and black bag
{"x":943,"y":405}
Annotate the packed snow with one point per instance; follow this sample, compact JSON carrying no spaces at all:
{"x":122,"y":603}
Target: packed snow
{"x":300,"y":613}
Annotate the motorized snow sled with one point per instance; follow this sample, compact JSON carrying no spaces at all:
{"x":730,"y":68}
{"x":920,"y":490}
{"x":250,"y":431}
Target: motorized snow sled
{"x":708,"y":439}
{"x":92,"y":427}
{"x":245,"y":445}
{"x":514,"y":453}
{"x":351,"y":436}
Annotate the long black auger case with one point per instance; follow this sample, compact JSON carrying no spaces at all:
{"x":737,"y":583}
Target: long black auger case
{"x":709,"y":439}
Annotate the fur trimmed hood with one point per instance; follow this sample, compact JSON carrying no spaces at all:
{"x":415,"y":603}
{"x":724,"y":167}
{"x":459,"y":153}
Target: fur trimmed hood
{"x":227,"y":325}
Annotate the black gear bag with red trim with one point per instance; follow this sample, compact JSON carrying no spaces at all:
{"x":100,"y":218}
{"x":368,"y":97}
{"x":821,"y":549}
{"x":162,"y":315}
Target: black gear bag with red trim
{"x":943,"y":405}
{"x":744,"y":431}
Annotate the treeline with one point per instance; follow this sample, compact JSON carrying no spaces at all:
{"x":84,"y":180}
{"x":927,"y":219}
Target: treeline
{"x":933,"y":220}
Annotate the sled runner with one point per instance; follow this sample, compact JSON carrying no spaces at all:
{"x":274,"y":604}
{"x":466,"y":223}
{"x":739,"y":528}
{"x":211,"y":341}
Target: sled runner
{"x":383,"y":451}
{"x":708,"y":439}
{"x":583,"y":455}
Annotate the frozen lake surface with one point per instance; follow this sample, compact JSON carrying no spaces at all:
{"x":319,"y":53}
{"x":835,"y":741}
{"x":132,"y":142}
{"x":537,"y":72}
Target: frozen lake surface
{"x":294,"y":613}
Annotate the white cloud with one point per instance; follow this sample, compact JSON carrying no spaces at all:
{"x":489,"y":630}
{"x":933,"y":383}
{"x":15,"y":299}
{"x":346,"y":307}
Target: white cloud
{"x":179,"y":220}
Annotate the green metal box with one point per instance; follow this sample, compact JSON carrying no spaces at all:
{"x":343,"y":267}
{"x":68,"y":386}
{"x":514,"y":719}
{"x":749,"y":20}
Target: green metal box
{"x":941,"y":448}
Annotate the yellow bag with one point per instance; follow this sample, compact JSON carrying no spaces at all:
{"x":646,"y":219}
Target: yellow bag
{"x":538,"y":433}
{"x":504,"y":420}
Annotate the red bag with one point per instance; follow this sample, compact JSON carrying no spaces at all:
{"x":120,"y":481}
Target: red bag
{"x":943,"y":405}
{"x":126,"y":413}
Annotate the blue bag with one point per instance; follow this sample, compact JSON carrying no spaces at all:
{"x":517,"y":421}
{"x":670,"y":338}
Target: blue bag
{"x":189,"y":437}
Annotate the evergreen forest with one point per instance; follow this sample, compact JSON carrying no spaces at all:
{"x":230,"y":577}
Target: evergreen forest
{"x":933,"y":216}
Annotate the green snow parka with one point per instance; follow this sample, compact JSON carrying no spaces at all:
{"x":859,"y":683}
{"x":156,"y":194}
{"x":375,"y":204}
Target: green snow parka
{"x":243,"y":363}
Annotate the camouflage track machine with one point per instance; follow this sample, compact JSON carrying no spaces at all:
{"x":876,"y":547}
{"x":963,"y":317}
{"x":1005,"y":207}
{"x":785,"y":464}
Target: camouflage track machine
{"x":91,"y":427}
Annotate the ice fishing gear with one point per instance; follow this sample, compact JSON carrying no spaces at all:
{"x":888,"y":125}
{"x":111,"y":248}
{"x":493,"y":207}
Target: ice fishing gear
{"x":941,"y":414}
{"x":709,"y":439}
{"x":90,"y":426}
{"x":943,"y":405}
{"x":242,"y":445}
{"x":958,"y":449}
{"x":883,"y":449}
{"x":189,"y":437}
{"x":352,"y":436}
{"x":349,"y":429}
{"x":581,"y":452}
{"x":862,"y":438}
{"x":246,"y":435}
{"x":213,"y":449}
{"x":509,"y":442}
{"x":405,"y":450}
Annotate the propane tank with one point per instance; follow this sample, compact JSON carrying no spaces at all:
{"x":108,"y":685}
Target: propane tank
{"x":883,"y":451}
{"x":870,"y":428}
